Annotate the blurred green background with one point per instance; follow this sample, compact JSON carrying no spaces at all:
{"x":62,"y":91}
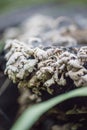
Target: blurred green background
{"x":8,"y":5}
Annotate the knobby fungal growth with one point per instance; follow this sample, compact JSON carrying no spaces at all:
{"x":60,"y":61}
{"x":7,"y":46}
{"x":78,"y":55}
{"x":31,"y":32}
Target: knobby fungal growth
{"x":41,"y":61}
{"x":40,"y":68}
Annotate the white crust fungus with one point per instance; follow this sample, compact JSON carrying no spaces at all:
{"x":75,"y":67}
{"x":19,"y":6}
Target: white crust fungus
{"x":39,"y":68}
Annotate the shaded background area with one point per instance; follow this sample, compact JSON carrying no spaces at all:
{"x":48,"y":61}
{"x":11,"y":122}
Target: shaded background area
{"x":13,"y":12}
{"x":6,"y":5}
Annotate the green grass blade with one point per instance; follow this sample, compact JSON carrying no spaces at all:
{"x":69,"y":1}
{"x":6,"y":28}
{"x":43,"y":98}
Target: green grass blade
{"x":2,"y":44}
{"x":31,"y":115}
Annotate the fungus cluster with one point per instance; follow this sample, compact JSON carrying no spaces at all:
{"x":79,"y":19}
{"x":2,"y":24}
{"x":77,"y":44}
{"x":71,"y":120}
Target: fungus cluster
{"x":40,"y":68}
